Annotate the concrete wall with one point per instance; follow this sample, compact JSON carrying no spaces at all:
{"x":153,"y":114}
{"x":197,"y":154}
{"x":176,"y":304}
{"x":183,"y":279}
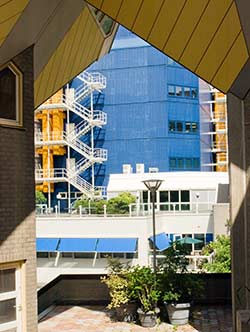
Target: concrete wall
{"x":87,"y":289}
{"x":221,"y":219}
{"x":140,"y":227}
{"x":17,"y":219}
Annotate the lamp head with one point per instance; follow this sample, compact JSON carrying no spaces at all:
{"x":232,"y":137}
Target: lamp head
{"x":152,"y":185}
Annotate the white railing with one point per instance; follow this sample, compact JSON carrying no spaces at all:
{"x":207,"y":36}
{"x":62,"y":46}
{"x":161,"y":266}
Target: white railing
{"x":50,"y":174}
{"x":194,"y":260}
{"x":74,"y":179}
{"x":95,"y":80}
{"x":80,"y":129}
{"x":61,"y":137}
{"x":100,"y":117}
{"x":143,"y":209}
{"x":77,"y":108}
{"x":82,"y":92}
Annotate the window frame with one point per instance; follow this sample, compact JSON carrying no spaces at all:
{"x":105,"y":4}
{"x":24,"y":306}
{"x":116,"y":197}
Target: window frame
{"x":18,"y":122}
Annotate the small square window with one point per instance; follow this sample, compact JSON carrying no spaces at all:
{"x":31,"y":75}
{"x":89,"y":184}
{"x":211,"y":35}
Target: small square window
{"x":188,"y":163}
{"x":194,"y":92}
{"x":187,"y":127}
{"x":171,"y":125}
{"x":172,"y":163}
{"x":186,"y":92}
{"x":194,"y":127}
{"x":179,"y":126}
{"x":171,"y":90}
{"x":174,"y":196}
{"x":163,"y":196}
{"x":180,"y":163}
{"x":178,"y":91}
{"x":200,"y":237}
{"x":196,"y":163}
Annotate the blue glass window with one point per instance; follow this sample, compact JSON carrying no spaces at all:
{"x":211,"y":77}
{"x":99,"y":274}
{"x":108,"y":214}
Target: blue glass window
{"x":171,"y":90}
{"x":182,"y":91}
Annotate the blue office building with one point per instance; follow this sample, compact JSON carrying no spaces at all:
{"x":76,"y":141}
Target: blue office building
{"x":152,"y":104}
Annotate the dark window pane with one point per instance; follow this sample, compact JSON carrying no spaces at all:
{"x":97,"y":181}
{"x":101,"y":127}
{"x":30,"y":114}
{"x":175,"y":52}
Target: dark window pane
{"x":180,"y":163}
{"x":107,"y":25}
{"x":187,"y":92}
{"x":67,"y":254}
{"x":194,"y":93}
{"x":171,"y":90}
{"x":131,"y":255}
{"x":163,"y":196}
{"x":185,"y":196}
{"x":172,"y":163}
{"x":201,"y":237}
{"x":7,"y":280}
{"x":174,"y":196}
{"x":7,"y":311}
{"x":42,"y":254}
{"x":188,"y":162}
{"x":145,"y":196}
{"x":84,"y":255}
{"x":188,"y":127}
{"x":7,"y":94}
{"x":118,"y":255}
{"x":171,"y":125}
{"x":187,"y":246}
{"x":178,"y":91}
{"x":194,"y":127}
{"x":196,"y":163}
{"x":179,"y":126}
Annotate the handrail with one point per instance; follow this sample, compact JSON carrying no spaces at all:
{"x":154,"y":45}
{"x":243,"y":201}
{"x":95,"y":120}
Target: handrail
{"x":64,"y":138}
{"x":73,"y":178}
{"x":171,"y":208}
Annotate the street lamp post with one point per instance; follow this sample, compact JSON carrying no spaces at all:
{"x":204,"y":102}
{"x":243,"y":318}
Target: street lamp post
{"x":153,"y":186}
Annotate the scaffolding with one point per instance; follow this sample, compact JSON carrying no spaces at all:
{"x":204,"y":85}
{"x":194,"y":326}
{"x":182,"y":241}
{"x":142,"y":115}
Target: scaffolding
{"x":214,"y":111}
{"x":55,"y":135}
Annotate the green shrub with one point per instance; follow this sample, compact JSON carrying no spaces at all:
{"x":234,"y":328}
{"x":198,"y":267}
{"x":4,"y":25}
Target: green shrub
{"x":222,"y":255}
{"x":40,"y":198}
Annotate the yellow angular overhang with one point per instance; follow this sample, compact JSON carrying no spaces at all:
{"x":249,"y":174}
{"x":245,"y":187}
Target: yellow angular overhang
{"x":205,"y":36}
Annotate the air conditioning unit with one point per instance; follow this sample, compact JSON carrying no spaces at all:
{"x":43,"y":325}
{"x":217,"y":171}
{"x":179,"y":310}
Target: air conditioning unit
{"x":140,"y":168}
{"x":153,"y":169}
{"x":127,"y":169}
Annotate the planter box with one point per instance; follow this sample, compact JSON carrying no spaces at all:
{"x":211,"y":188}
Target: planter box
{"x":126,"y":312}
{"x":178,"y":314}
{"x":148,"y":319}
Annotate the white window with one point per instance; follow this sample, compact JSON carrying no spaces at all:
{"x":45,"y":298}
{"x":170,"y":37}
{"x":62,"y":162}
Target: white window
{"x":10,"y":298}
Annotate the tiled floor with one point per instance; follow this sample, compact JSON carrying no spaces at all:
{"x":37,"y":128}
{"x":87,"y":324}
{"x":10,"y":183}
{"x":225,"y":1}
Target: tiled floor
{"x":97,"y":319}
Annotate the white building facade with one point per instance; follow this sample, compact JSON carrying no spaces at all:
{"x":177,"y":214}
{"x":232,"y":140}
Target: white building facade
{"x":187,"y":205}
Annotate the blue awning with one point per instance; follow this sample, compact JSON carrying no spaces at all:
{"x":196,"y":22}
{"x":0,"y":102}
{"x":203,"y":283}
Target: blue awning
{"x":162,"y":241}
{"x":77,"y":245}
{"x":46,"y":244}
{"x":117,"y":245}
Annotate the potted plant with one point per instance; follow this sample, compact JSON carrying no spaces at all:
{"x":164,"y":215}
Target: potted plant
{"x":121,"y":299}
{"x":177,"y":286}
{"x":143,"y":285}
{"x":180,"y":289}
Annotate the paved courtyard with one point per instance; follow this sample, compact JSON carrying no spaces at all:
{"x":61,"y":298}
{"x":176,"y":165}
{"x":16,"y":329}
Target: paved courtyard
{"x":97,"y":319}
